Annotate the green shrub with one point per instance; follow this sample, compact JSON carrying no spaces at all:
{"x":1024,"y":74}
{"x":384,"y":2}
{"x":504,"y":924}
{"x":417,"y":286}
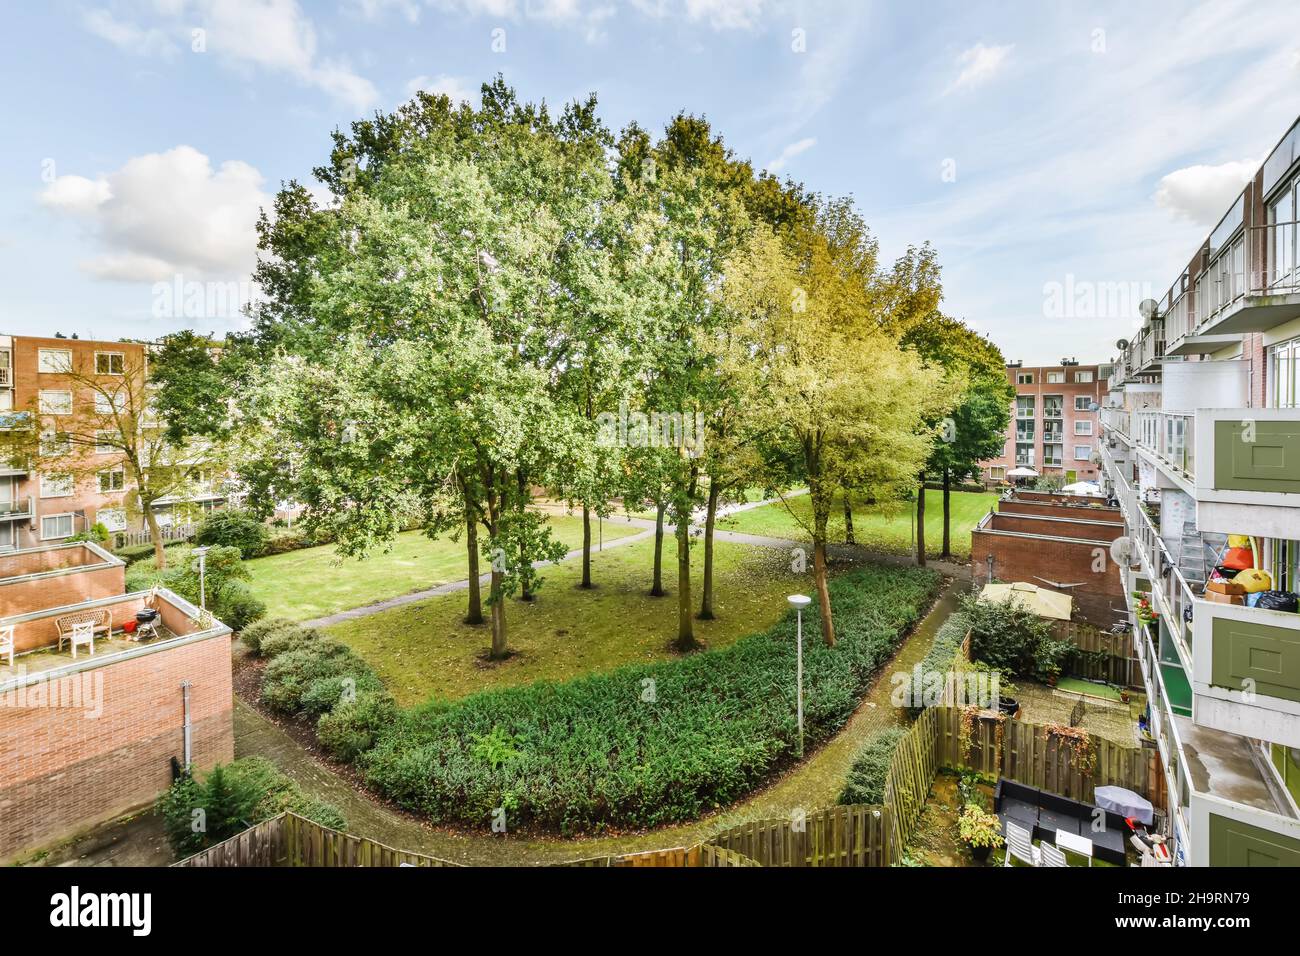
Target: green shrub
{"x":866,"y":780}
{"x":135,"y":552}
{"x":233,"y":797}
{"x":1005,"y":635}
{"x":315,"y":677}
{"x":351,"y":729}
{"x":255,"y":633}
{"x":234,"y":528}
{"x":96,"y":533}
{"x":238,"y":607}
{"x":288,"y":638}
{"x":598,"y":752}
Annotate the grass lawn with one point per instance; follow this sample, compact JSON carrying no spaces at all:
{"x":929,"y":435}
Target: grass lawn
{"x":884,"y":527}
{"x":311,"y":583}
{"x":425,"y":649}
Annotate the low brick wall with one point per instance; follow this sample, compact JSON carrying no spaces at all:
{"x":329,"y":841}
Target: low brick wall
{"x":1047,"y":509}
{"x":1092,"y":530}
{"x":64,"y":769}
{"x":55,"y":576}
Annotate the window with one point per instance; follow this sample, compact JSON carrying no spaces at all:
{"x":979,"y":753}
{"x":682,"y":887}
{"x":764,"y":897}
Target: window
{"x":114,"y":519}
{"x":54,"y":403}
{"x":1025,"y":378}
{"x":56,"y":526}
{"x":114,"y":479}
{"x":106,"y":442}
{"x":1055,"y":378}
{"x":1025,"y":430}
{"x":1025,"y":455}
{"x":1082,"y":452}
{"x":1025,"y":406}
{"x":109,"y":363}
{"x":1082,"y":403}
{"x":105,"y":404}
{"x":1052,"y":454}
{"x":54,"y":360}
{"x":54,"y":444}
{"x":56,"y":486}
{"x":1053,"y":406}
{"x":998,"y":472}
{"x":1282,"y":368}
{"x":1083,"y":427}
{"x":1083,"y":377}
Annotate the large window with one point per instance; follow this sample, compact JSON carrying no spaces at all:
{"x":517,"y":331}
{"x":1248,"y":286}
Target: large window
{"x":1055,"y":378}
{"x":1025,"y":406}
{"x":54,"y":360}
{"x":56,"y":526}
{"x":1082,"y":403}
{"x":109,"y":363}
{"x":1024,"y":378}
{"x":1025,"y":430}
{"x":114,"y":519}
{"x":56,"y":486}
{"x":1082,"y":452}
{"x":1283,"y":362}
{"x":114,"y":479}
{"x":1284,"y":242}
{"x":54,"y":444}
{"x":105,"y":404}
{"x":54,"y":403}
{"x":1083,"y":427}
{"x":1053,"y":406}
{"x":1083,"y":377}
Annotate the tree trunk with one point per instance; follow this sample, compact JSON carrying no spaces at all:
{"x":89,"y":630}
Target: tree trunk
{"x":947,"y":515}
{"x":155,"y":535}
{"x":848,"y":519}
{"x":710,"y":518}
{"x":474,"y":615}
{"x":920,"y":524}
{"x":586,"y":546}
{"x":657,"y":590}
{"x":819,"y":578}
{"x":685,"y":623}
{"x":498,"y":617}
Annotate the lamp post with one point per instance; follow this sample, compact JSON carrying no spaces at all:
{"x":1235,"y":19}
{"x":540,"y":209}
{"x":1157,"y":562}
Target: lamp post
{"x":799,"y":602}
{"x":201,"y":553}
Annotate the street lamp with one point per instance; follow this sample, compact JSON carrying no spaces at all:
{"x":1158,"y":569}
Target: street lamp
{"x":799,"y":602}
{"x":201,"y":553}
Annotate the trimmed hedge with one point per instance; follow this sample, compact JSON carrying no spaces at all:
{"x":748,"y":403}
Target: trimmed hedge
{"x":643,"y":745}
{"x":947,"y":641}
{"x":312,"y":674}
{"x":866,"y":780}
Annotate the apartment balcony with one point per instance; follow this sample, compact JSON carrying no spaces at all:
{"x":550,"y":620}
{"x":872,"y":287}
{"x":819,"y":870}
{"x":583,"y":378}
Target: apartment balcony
{"x":1246,"y":471}
{"x":1253,"y":285}
{"x":13,"y":468}
{"x":11,"y":420}
{"x":21,"y":509}
{"x":1170,"y":436}
{"x":1226,"y":805}
{"x":1116,"y":421}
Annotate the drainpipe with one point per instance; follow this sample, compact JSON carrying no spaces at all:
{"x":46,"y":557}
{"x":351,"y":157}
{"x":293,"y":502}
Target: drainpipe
{"x":185,"y":704}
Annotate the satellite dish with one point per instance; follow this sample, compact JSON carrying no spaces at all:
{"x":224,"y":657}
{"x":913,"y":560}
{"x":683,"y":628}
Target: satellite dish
{"x":1148,"y":309}
{"x":1093,"y":406}
{"x":1122,"y":345}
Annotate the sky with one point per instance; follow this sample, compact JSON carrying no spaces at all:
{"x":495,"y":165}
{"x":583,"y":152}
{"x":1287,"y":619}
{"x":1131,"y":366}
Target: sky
{"x":1064,"y":158}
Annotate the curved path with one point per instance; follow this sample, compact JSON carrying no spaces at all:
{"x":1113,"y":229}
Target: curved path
{"x":811,"y":785}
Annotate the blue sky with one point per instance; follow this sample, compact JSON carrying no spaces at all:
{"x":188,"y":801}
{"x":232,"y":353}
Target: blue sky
{"x":1034,"y":143}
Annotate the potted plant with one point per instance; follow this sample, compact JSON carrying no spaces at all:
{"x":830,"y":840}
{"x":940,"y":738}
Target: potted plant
{"x":980,"y":830}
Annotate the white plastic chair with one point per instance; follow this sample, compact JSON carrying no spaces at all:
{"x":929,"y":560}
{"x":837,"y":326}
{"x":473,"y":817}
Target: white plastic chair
{"x":1020,"y":844}
{"x":83,"y":634}
{"x":1051,"y":856}
{"x":7,"y":643}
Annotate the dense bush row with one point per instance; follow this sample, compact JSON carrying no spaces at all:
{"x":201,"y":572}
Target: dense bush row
{"x":309,"y":673}
{"x":642,"y":745}
{"x":200,"y":813}
{"x":1012,"y":639}
{"x":228,"y":597}
{"x":866,"y":779}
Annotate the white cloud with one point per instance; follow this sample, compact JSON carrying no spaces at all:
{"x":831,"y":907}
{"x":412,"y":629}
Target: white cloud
{"x":979,"y":64}
{"x":790,"y":152}
{"x":452,"y":86}
{"x":164,"y":214}
{"x":273,"y":35}
{"x":726,"y":14}
{"x":1203,"y":193}
{"x":127,"y":36}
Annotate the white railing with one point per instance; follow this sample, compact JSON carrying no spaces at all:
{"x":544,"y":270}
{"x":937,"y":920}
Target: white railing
{"x":1279,"y":271}
{"x":1118,"y":420}
{"x":19,"y":508}
{"x":1170,"y":435}
{"x":127,"y":539}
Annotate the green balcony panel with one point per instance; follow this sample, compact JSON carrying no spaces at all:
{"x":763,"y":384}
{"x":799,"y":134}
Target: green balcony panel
{"x":1177,"y":688}
{"x":1233,"y":843}
{"x":1250,"y":650}
{"x":1271,"y":462}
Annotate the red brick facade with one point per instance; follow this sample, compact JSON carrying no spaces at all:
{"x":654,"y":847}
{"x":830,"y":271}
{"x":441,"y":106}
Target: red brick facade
{"x":65,"y":769}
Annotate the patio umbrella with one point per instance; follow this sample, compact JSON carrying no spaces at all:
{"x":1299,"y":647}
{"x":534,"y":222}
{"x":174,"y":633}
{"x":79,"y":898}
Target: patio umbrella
{"x":1124,"y":802}
{"x":1082,"y":488}
{"x":1022,"y":472}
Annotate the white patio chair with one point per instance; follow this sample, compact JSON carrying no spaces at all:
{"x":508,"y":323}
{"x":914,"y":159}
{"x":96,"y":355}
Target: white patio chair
{"x":83,"y":634}
{"x":7,"y":643}
{"x":1020,"y":844}
{"x":1051,"y":856}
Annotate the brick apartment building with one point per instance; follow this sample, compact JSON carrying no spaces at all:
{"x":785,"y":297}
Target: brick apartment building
{"x":39,"y":502}
{"x":1054,"y":425}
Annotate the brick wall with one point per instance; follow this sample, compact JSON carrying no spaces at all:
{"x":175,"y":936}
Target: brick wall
{"x":1049,"y":510}
{"x":1064,"y":562}
{"x":1105,"y":531}
{"x":24,"y":596}
{"x":64,"y":769}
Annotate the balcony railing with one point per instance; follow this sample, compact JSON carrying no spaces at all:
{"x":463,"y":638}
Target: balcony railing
{"x":1170,"y":436}
{"x":17,"y":509}
{"x":1117,"y":420}
{"x":1279,"y":272}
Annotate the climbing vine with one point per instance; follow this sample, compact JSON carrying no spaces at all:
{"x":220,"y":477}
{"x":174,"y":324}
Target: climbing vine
{"x":1080,"y":744}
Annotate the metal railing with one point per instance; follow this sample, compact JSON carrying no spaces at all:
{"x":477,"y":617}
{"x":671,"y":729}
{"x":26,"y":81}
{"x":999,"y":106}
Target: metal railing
{"x":1118,"y":420}
{"x":1279,"y":271}
{"x":19,"y":508}
{"x":1170,"y":435}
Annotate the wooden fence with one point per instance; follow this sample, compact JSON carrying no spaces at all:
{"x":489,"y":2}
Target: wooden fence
{"x":1105,"y":656}
{"x":129,"y":539}
{"x":291,"y":840}
{"x":839,"y":836}
{"x":1031,"y":754}
{"x":702,"y":855}
{"x":907,"y":784}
